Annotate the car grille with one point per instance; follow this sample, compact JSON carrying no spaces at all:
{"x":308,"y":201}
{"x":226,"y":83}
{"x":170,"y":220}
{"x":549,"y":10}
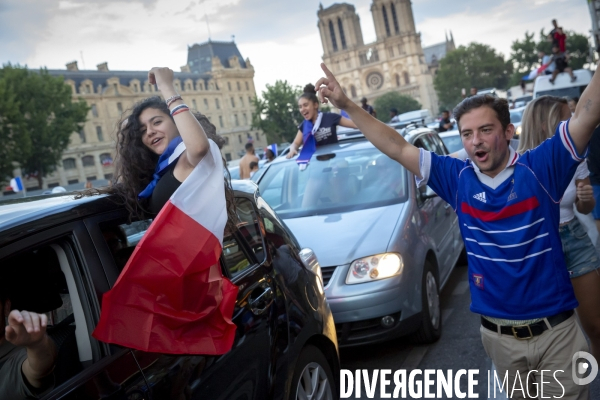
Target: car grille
{"x":327,"y":272}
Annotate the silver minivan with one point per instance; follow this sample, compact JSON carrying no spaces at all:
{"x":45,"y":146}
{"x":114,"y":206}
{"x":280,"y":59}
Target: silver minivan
{"x":384,"y":246}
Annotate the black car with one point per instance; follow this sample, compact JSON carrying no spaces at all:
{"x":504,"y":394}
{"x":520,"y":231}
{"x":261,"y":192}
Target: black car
{"x":61,"y":255}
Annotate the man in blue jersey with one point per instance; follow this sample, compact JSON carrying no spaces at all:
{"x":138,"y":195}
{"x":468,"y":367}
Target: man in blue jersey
{"x":508,"y":208}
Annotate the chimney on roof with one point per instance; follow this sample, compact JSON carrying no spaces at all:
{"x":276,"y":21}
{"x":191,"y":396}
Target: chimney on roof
{"x":102,"y":67}
{"x":185,"y":68}
{"x":72,"y":66}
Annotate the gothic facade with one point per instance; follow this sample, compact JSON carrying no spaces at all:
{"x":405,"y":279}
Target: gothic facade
{"x":394,"y":62}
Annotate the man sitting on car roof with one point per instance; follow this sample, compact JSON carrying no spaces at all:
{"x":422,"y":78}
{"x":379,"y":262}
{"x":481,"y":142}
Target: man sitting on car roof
{"x":27,"y":354}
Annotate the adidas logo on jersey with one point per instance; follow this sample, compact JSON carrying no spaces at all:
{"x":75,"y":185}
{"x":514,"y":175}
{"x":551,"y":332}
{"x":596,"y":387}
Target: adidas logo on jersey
{"x":480,"y":196}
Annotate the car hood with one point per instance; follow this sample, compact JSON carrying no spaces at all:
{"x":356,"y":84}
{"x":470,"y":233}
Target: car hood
{"x":339,"y":239}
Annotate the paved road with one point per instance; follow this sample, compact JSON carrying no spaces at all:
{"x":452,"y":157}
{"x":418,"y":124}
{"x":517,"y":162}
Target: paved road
{"x":459,"y":347}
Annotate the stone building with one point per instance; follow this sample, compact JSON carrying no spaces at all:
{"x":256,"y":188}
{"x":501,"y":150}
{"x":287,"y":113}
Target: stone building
{"x":216,"y":81}
{"x":435,"y":52}
{"x":394,"y":62}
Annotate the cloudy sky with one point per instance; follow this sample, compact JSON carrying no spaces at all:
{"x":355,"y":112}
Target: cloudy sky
{"x":279,"y":36}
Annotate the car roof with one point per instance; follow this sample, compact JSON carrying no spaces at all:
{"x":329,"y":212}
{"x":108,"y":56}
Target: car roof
{"x":27,"y":215}
{"x":454,"y":132}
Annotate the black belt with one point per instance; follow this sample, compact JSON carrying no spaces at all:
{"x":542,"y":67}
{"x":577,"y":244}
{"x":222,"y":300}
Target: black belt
{"x":528,"y":331}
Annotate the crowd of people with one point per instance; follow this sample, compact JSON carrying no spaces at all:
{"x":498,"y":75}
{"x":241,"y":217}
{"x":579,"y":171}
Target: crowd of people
{"x":531,"y":263}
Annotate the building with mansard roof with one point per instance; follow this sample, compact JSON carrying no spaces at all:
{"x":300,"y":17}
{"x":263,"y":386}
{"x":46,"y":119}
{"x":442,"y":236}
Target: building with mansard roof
{"x":216,"y":81}
{"x":394,"y":62}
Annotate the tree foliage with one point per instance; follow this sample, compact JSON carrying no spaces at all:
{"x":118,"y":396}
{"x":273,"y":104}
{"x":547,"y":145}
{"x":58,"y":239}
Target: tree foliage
{"x":476,"y":65}
{"x":524,"y":56}
{"x":395,"y":100}
{"x":38,"y":123}
{"x":276,"y":113}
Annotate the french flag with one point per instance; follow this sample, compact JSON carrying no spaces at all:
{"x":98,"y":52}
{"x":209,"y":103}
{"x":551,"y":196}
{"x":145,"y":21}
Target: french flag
{"x":171,"y":296}
{"x":533,"y":74}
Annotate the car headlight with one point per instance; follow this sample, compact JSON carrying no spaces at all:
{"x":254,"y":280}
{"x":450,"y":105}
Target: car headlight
{"x":373,"y":268}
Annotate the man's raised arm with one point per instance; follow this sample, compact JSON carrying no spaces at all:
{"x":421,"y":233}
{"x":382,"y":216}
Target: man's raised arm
{"x":587,"y":114}
{"x":384,"y":137}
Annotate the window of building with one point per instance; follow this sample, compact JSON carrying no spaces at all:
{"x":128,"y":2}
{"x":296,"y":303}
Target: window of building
{"x":237,"y":121}
{"x":226,"y":139}
{"x":397,"y":77}
{"x":227,"y":156}
{"x":194,"y":105}
{"x":241,"y":101}
{"x":221,"y":121}
{"x":250,"y":100}
{"x":395,"y":18}
{"x":88,"y":161}
{"x":206,"y":104}
{"x":91,"y":178}
{"x":189,"y":86}
{"x":108,"y":177}
{"x":247,"y":86}
{"x":217,"y":104}
{"x":120,"y":107}
{"x":88,"y":89}
{"x":385,"y":21}
{"x":332,"y":34}
{"x":342,"y":36}
{"x":257,"y":135}
{"x":69,"y":163}
{"x":391,"y":51}
{"x":406,"y":78}
{"x":94,"y":110}
{"x":99,"y":134}
{"x":353,"y":91}
{"x":200,"y":85}
{"x":72,"y":181}
{"x":229,"y":86}
{"x":232,"y":102}
{"x":82,"y":136}
{"x":116,"y":88}
{"x":245,"y":119}
{"x":135,"y":88}
{"x":238,"y":86}
{"x":240,"y":138}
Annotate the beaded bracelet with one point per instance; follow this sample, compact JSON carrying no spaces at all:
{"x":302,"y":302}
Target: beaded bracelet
{"x":180,"y":110}
{"x":180,"y":106}
{"x":172,"y":99}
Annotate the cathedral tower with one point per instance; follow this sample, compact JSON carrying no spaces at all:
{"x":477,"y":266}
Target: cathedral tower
{"x":339,"y":26}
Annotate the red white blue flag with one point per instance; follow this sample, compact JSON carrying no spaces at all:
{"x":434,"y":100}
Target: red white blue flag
{"x":171,"y":296}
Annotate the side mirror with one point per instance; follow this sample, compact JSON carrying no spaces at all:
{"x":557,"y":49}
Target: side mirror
{"x":427,"y":193}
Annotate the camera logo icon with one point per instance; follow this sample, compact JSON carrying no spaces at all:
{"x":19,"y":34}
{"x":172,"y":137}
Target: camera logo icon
{"x":583,"y":362}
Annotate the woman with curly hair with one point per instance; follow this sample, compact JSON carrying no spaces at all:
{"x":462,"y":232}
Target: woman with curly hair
{"x":149,"y":136}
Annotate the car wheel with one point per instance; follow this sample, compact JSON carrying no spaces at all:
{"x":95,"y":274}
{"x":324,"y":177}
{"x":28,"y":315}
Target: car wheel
{"x":431,"y":322}
{"x":312,"y":377}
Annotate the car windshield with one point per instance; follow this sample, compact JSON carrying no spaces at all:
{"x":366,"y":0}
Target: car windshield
{"x":574,"y":91}
{"x":453,"y":143}
{"x":516,"y":116}
{"x":339,"y":182}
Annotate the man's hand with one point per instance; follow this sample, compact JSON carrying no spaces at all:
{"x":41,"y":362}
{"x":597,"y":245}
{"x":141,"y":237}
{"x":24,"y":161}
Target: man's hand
{"x":25,"y":328}
{"x":330,"y":90}
{"x":291,"y":153}
{"x":585,"y":192}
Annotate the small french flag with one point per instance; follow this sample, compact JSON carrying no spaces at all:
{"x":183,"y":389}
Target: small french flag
{"x":533,"y":74}
{"x":16,"y":184}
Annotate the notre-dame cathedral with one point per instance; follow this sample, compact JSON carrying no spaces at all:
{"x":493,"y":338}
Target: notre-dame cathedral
{"x":394,"y":62}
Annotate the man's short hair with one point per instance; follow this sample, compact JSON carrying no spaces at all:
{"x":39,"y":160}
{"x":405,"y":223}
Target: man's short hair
{"x":249,"y":146}
{"x":363,"y":100}
{"x":574,"y":99}
{"x":500,"y":106}
{"x":394,"y":110}
{"x":445,"y":111}
{"x":253,"y":164}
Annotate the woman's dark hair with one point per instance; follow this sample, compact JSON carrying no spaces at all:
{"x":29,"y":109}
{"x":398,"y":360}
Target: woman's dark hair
{"x":310,"y":93}
{"x":135,"y":163}
{"x":500,"y":106}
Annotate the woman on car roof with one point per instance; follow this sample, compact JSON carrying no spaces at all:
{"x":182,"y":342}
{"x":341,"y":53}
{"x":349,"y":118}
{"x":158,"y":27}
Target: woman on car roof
{"x":148,"y":136}
{"x":318,"y":128}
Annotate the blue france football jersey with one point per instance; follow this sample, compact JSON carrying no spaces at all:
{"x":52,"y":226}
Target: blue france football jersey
{"x":516,"y":263}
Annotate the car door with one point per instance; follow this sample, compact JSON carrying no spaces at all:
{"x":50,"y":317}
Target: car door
{"x":85,"y":368}
{"x":245,"y":371}
{"x":438,"y":217}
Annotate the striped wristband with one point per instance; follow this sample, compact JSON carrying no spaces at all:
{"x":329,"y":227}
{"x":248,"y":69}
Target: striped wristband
{"x":179,"y":108}
{"x":172,"y":99}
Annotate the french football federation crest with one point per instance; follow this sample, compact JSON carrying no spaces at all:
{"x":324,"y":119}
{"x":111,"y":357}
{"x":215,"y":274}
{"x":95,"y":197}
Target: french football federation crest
{"x":478,"y":280}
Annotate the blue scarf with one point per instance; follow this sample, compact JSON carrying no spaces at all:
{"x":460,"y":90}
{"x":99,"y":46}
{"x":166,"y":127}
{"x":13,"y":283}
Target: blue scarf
{"x":161,"y":167}
{"x":310,"y":143}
